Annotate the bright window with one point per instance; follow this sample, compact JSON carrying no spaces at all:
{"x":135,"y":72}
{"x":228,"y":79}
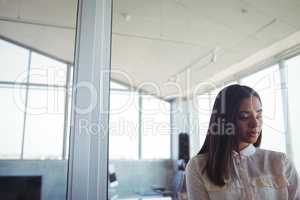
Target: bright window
{"x":124,"y":125}
{"x":268,"y":85}
{"x":12,"y":119}
{"x":138,"y":123}
{"x":156,"y":129}
{"x":293,"y":69}
{"x":44,"y":128}
{"x":47,"y":71}
{"x":13,"y":62}
{"x":32,"y":105}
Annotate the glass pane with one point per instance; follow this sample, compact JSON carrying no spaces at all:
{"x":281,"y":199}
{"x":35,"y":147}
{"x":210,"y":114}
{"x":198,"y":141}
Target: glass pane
{"x":267,"y":84}
{"x":124,"y":125}
{"x":37,"y":41}
{"x":47,"y":71}
{"x":171,"y":48}
{"x":13,"y":62}
{"x":12,"y":106}
{"x":44,"y":126}
{"x":155,"y":128}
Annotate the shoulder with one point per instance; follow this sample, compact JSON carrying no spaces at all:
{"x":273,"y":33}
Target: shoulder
{"x":273,"y":159}
{"x":279,"y":163}
{"x":270,"y":155}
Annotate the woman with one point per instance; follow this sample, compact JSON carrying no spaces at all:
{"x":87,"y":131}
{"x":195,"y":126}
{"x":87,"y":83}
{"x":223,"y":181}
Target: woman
{"x":230,"y":165}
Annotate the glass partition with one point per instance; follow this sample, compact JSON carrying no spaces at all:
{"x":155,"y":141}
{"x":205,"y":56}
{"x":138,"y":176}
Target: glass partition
{"x":37,"y":42}
{"x":166,"y":53}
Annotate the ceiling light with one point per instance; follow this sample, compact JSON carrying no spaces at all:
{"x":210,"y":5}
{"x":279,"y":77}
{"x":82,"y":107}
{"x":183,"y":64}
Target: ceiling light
{"x":126,"y":16}
{"x":244,"y":10}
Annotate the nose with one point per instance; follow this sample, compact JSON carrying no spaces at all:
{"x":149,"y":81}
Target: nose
{"x":253,"y":122}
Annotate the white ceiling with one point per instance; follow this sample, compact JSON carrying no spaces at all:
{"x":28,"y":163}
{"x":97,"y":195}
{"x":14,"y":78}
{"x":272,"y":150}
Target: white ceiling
{"x":165,"y":46}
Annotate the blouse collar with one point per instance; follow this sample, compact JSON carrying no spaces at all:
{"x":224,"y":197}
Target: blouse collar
{"x":248,"y":151}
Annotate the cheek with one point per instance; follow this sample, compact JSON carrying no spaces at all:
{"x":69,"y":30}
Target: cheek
{"x":242,"y":127}
{"x":261,"y":122}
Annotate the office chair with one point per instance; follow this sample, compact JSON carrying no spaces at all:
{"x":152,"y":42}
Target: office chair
{"x":177,"y":186}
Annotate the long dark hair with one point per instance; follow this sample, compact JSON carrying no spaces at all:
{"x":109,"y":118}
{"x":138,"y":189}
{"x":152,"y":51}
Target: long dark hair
{"x":222,"y":136}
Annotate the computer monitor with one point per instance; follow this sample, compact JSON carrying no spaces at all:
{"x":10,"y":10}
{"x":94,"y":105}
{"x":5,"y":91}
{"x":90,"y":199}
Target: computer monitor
{"x":20,"y":187}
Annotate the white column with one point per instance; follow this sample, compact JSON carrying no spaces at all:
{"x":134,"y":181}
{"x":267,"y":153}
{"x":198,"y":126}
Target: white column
{"x":87,"y":178}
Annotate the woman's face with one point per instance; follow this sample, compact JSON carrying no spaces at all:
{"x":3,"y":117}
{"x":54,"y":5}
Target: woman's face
{"x":249,"y":121}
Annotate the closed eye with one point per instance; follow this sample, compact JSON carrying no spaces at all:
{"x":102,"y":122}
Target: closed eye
{"x":243,"y":115}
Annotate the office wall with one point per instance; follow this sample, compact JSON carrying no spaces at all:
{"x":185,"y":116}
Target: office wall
{"x":139,"y":175}
{"x":133,"y":175}
{"x":53,"y":172}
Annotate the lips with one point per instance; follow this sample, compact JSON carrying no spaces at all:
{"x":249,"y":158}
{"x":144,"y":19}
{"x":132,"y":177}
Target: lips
{"x":252,"y":134}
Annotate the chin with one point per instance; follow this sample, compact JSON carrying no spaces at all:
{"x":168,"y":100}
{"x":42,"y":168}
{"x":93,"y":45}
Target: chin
{"x":253,"y":142}
{"x":250,"y":140}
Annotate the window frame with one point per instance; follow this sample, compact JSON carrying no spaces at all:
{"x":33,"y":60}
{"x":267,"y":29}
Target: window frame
{"x":140,"y":131}
{"x":27,"y":84}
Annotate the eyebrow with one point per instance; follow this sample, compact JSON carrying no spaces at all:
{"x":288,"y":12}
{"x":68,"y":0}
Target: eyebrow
{"x":245,"y":111}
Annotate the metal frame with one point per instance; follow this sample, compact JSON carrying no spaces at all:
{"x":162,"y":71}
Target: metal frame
{"x":140,"y":134}
{"x":26,"y":103}
{"x":31,"y":22}
{"x":66,"y":115}
{"x":172,"y":130}
{"x":31,"y":84}
{"x":284,"y":93}
{"x":87,"y":174}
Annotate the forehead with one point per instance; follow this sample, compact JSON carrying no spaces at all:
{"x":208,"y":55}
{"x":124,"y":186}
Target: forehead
{"x":251,"y":103}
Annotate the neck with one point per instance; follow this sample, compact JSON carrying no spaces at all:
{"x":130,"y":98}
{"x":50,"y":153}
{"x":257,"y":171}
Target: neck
{"x":243,"y":145}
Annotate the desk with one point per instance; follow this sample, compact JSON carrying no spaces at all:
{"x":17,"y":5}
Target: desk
{"x":181,"y":196}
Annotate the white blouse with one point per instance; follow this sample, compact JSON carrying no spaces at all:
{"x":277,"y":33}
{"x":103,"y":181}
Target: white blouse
{"x":261,"y":174}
